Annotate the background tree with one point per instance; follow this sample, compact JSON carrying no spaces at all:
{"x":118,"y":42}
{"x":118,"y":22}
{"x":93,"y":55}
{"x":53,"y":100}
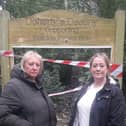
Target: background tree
{"x":22,"y":8}
{"x":108,"y":7}
{"x":103,"y":8}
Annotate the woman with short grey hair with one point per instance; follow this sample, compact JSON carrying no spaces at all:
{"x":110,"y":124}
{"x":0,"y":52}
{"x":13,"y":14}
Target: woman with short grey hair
{"x":23,"y":101}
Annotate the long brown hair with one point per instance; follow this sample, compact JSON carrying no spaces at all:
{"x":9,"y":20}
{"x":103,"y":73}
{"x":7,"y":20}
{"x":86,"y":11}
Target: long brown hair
{"x":103,"y":55}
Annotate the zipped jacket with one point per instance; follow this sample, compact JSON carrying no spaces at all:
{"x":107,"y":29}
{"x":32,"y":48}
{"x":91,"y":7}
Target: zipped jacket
{"x":107,"y":108}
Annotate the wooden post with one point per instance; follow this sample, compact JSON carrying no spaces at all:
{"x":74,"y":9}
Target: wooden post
{"x":4,"y":20}
{"x":120,"y":37}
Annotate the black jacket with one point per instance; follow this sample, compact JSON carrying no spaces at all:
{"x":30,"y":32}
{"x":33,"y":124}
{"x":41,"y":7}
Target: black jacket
{"x":25,"y":103}
{"x":107,"y":109}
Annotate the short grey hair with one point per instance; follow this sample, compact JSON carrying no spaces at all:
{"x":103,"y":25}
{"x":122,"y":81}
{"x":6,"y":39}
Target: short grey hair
{"x":27,"y":55}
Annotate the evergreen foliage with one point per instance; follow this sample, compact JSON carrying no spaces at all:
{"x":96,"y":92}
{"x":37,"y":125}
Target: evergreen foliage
{"x":103,"y":8}
{"x":108,"y":7}
{"x":51,"y":81}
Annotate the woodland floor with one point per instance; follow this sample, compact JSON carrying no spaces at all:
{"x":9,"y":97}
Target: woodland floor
{"x":63,"y":109}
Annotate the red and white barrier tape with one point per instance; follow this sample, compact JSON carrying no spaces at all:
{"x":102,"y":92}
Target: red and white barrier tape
{"x":69,"y":62}
{"x":7,"y":53}
{"x":65,"y":92}
{"x":116,"y":69}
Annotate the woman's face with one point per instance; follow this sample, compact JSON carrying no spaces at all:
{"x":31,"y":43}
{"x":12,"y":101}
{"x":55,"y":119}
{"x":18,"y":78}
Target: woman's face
{"x":99,"y":68}
{"x":32,"y":66}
